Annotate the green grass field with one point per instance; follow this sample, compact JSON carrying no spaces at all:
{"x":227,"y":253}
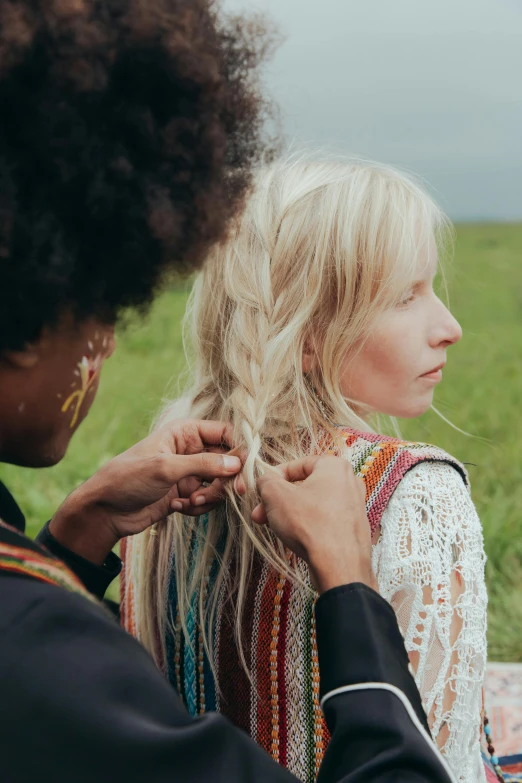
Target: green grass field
{"x":481,"y":393}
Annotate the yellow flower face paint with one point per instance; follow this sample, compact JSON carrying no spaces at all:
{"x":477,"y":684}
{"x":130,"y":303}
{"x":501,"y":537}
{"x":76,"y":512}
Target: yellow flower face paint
{"x":89,"y":369}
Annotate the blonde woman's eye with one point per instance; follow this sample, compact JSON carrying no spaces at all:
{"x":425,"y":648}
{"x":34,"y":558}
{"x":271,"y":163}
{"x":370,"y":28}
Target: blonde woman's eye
{"x":409,"y":297}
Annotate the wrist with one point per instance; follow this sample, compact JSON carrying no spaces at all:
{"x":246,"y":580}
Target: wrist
{"x":81,"y":526}
{"x":328,"y":575}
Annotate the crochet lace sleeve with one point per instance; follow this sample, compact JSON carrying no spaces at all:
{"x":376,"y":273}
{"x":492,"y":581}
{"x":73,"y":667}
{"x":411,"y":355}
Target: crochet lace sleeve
{"x":429,"y":561}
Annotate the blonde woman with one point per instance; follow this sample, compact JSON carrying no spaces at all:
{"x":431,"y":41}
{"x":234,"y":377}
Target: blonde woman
{"x":318,"y":312}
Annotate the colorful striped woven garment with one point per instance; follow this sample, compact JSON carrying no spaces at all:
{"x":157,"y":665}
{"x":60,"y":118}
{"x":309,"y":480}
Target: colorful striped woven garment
{"x":19,"y":559}
{"x":278,"y":705}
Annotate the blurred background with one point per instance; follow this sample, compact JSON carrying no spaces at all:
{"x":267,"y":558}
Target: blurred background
{"x":435,"y":87}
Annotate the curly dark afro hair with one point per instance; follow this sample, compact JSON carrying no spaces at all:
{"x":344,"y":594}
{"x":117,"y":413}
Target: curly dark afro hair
{"x":128,"y":130}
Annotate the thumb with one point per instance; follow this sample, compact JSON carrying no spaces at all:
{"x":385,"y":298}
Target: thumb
{"x":206,"y":465}
{"x":275,"y":493}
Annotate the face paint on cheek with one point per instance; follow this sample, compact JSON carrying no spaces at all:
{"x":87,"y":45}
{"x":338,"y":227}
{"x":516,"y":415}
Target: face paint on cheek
{"x":88,"y":370}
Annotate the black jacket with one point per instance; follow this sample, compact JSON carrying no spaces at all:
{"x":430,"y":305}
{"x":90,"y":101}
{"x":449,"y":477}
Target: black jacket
{"x":82,"y":702}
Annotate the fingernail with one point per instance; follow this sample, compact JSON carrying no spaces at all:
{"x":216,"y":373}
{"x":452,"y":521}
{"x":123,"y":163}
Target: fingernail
{"x":200,"y":500}
{"x":176,"y":505}
{"x":231,"y":463}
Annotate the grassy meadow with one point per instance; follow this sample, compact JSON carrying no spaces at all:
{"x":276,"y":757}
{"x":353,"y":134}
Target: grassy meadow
{"x":481,"y":394}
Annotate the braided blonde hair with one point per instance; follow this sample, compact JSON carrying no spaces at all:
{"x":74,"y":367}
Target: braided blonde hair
{"x":322,"y":248}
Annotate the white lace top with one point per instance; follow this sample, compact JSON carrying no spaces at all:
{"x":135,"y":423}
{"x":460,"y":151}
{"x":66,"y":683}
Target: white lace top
{"x":429,"y":561}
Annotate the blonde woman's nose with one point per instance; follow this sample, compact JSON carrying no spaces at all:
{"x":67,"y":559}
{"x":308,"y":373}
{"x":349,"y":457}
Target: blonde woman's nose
{"x":449,"y":330}
{"x":454,"y":330}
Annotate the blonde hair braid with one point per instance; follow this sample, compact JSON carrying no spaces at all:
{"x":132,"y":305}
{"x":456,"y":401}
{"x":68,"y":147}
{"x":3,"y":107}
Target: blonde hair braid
{"x":322,"y":248}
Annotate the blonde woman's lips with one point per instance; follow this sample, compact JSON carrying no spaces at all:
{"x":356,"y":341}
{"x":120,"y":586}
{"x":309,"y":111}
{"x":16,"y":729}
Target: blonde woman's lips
{"x":436,"y":376}
{"x":433,"y":375}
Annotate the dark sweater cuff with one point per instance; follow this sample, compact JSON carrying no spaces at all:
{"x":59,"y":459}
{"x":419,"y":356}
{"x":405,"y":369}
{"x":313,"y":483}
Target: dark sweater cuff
{"x":95,"y":578}
{"x":359,"y":641}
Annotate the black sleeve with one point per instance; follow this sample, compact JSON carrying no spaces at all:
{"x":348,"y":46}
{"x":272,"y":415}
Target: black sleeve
{"x":81,"y":701}
{"x":95,"y":578}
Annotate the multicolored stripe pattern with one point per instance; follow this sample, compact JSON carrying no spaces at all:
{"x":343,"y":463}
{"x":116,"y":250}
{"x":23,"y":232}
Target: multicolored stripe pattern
{"x":277,"y":703}
{"x":382,"y":462}
{"x":18,"y":559}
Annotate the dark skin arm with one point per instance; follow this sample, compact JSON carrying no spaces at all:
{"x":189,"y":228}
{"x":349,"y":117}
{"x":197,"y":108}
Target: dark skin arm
{"x":165,"y":471}
{"x":143,"y":485}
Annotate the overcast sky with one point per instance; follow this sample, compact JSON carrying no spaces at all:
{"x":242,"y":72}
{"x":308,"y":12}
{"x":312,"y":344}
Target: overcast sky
{"x":431,"y":85}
